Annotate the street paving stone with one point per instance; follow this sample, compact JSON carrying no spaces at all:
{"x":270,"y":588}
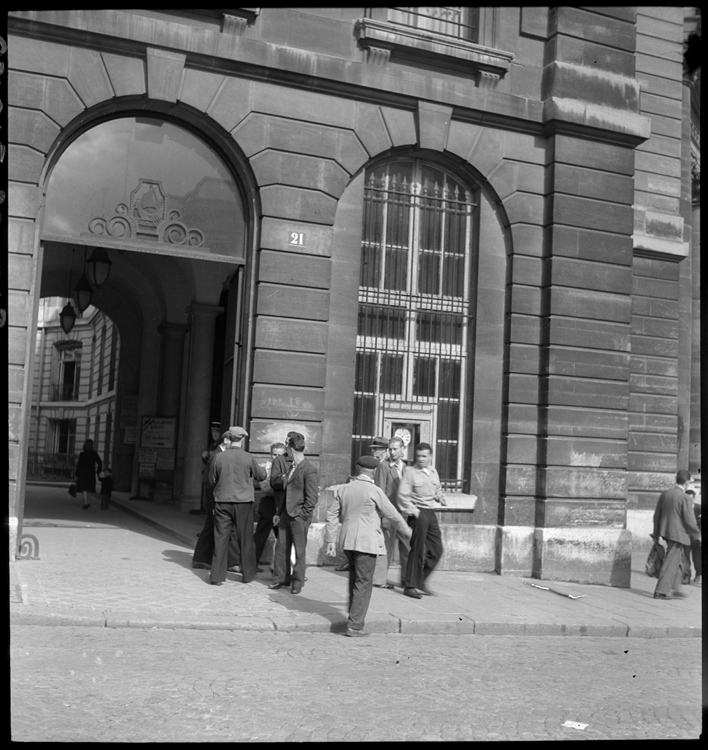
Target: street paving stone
{"x":76,"y":684}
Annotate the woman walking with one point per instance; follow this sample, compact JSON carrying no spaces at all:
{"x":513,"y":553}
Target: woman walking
{"x":87,"y":467}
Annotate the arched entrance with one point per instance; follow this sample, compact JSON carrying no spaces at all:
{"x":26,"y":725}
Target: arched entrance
{"x":166,"y":210}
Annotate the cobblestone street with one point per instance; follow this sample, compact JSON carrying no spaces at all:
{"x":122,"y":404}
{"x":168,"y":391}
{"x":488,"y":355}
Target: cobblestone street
{"x":134,"y":685}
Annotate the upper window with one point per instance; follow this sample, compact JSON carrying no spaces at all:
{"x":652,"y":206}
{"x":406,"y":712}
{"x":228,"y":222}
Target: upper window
{"x":461,"y":23}
{"x":144,"y":180}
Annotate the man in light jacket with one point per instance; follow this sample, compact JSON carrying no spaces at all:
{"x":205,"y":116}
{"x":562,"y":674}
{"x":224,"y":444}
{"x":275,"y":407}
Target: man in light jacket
{"x":359,"y":506}
{"x":675,"y":522}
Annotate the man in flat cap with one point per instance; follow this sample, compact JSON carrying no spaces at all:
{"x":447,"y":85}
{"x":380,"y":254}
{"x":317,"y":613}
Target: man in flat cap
{"x":232,"y":473}
{"x":358,"y":506}
{"x":379,"y":451}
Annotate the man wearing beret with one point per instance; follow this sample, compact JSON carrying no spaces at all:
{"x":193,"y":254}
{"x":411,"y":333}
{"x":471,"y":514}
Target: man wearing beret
{"x":232,"y":473}
{"x":359,"y":506}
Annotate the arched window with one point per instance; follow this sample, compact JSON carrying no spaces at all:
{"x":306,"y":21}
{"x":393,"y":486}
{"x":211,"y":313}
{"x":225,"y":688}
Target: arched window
{"x":414,"y":308}
{"x":145,"y":180}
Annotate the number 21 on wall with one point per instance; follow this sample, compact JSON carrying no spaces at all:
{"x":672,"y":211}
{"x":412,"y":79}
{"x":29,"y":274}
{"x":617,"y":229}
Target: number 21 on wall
{"x":297,"y":238}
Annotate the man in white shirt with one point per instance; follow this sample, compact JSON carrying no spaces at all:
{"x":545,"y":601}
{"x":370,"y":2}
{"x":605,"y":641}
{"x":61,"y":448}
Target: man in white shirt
{"x":419,"y":494}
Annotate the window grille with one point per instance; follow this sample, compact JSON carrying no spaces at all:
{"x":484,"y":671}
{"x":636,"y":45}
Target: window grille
{"x":414,"y":292}
{"x":456,"y":22}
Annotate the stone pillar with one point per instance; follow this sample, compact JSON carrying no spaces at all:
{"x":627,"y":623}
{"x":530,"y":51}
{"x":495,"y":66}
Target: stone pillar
{"x":171,"y":351}
{"x":201,"y":354}
{"x":694,"y":451}
{"x":580,"y":477}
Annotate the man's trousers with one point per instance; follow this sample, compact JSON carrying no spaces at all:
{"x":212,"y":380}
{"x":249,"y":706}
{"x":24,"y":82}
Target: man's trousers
{"x":204,"y":549}
{"x":292,"y":532}
{"x":383,"y":562}
{"x":238,"y":517}
{"x":264,"y":524}
{"x":673,"y":568}
{"x":361,"y":580}
{"x":426,"y":548}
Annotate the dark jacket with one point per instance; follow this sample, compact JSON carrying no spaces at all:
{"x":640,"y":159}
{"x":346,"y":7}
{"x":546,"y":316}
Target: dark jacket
{"x":278,"y":473}
{"x":674,"y":519}
{"x":231,"y":473}
{"x":88,"y":465}
{"x":301,"y":491}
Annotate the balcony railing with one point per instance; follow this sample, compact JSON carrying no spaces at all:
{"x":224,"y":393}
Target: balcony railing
{"x":59,"y":466}
{"x":65,"y":392}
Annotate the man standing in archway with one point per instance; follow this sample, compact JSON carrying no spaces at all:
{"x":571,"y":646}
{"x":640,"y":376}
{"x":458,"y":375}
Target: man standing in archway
{"x":231,"y":474}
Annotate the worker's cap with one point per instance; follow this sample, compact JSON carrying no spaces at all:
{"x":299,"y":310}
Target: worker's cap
{"x":216,"y":424}
{"x":379,"y":442}
{"x":236,"y":433}
{"x":367,"y":462}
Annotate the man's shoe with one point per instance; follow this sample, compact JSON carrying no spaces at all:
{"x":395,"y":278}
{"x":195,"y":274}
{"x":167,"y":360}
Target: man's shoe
{"x":680,"y":594}
{"x":259,"y":570}
{"x":275,"y":586}
{"x":346,"y":566}
{"x":413,"y":593}
{"x":296,"y":589}
{"x":216,"y":583}
{"x":425,"y":590}
{"x":383,"y":585}
{"x":356,"y":633}
{"x":662,"y":596}
{"x":201,"y":566}
{"x":234,"y":569}
{"x":697,"y":579}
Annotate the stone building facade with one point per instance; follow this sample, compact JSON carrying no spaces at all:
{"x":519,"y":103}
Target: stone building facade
{"x":474,"y":226}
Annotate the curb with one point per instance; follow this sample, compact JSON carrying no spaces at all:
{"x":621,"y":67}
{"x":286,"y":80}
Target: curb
{"x":311,"y":623}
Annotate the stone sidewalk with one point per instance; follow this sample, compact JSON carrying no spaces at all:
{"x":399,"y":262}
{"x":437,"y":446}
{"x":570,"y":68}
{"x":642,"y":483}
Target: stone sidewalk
{"x":130,"y":566}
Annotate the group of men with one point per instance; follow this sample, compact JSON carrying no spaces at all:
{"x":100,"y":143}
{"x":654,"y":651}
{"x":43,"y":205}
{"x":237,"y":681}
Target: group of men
{"x":364,"y":520}
{"x":291,"y":482}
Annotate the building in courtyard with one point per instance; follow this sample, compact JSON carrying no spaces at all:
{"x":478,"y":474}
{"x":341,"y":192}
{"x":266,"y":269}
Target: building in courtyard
{"x":473,"y":227}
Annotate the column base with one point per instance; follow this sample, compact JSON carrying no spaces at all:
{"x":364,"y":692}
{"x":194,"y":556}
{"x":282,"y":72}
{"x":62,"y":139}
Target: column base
{"x":602,"y":556}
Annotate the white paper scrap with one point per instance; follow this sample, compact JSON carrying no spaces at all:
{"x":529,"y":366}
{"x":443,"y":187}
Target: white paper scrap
{"x":574,"y":725}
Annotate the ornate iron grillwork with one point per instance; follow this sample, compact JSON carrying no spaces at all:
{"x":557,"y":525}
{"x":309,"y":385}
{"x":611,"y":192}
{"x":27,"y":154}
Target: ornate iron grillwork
{"x":412,"y":338}
{"x":455,"y":22}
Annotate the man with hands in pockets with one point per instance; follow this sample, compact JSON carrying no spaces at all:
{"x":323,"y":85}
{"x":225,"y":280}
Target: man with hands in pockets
{"x":358,"y":506}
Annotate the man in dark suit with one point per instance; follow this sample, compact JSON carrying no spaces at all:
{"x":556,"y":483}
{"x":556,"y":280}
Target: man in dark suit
{"x":231,"y":474}
{"x":294,"y":514}
{"x":675,"y":522}
{"x":388,"y":476}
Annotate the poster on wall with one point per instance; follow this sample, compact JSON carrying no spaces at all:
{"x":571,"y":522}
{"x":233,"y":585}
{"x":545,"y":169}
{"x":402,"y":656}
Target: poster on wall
{"x":158,"y":432}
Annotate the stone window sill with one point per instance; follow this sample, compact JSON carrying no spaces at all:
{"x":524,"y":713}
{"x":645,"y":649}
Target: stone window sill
{"x":381,"y":38}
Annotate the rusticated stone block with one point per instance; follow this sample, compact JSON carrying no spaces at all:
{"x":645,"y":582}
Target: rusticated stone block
{"x":521,"y":480}
{"x":88,"y":76}
{"x":25,"y":164}
{"x":301,"y":270}
{"x":601,"y":556}
{"x":601,"y":156}
{"x":585,"y":244}
{"x":596,"y":334}
{"x":589,"y":364}
{"x":126,"y":74}
{"x":651,"y":461}
{"x":291,"y":335}
{"x":296,"y":170}
{"x":400,"y":125}
{"x":524,"y":359}
{"x":571,"y":481}
{"x":523,"y":419}
{"x":371,"y":129}
{"x":596,"y":305}
{"x":571,"y":513}
{"x":566,"y":421}
{"x":32,"y":128}
{"x":652,"y":443}
{"x":39,"y":56}
{"x":600,"y":28}
{"x":571,"y":391}
{"x":292,"y":302}
{"x":433,"y":125}
{"x":657,"y":385}
{"x":288,"y":368}
{"x":287,"y":402}
{"x":581,"y":452}
{"x":199,"y":87}
{"x":298,"y":236}
{"x":232,"y":103}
